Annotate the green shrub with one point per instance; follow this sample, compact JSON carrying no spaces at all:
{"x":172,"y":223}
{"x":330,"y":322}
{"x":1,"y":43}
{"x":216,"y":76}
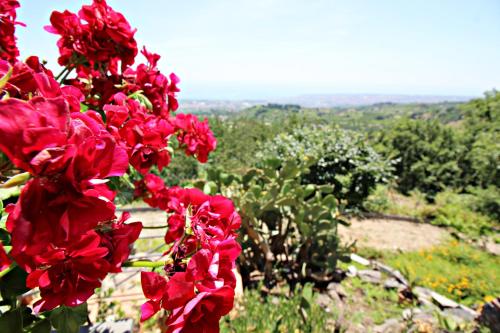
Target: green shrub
{"x":458,"y":212}
{"x":342,"y":160}
{"x":486,"y":201}
{"x":426,"y":156}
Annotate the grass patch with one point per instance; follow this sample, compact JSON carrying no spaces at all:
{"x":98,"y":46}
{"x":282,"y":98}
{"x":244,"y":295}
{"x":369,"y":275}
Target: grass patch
{"x":371,"y":302}
{"x":455,"y":269}
{"x":365,"y":304}
{"x":277,"y":314}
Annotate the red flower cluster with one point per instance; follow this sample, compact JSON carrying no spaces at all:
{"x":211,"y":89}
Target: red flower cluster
{"x":95,"y":41}
{"x":64,"y":229}
{"x":155,"y":86}
{"x":8,"y":47}
{"x":202,"y":231}
{"x":144,"y":135}
{"x":195,"y":136}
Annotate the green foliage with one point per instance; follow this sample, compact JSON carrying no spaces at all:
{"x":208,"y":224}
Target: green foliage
{"x":426,"y":156}
{"x":431,"y":156}
{"x":69,"y":319}
{"x":486,"y":201}
{"x":180,"y":169}
{"x":238,"y":142}
{"x":337,"y":158}
{"x":482,"y":141}
{"x":457,"y":211}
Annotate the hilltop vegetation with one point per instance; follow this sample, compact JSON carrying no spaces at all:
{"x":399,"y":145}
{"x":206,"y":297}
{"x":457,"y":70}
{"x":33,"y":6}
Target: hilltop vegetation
{"x":429,"y":148}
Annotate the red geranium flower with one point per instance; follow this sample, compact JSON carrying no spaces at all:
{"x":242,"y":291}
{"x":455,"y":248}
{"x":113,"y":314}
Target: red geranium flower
{"x":202,"y":313}
{"x":69,"y":275}
{"x":97,"y":38}
{"x":119,"y":239}
{"x":8,"y":47}
{"x":155,"y":86}
{"x":194,"y":136}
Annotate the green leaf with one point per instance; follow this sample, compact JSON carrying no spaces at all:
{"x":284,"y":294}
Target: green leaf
{"x":286,"y":201}
{"x":328,"y":188}
{"x":309,"y":190}
{"x":13,"y":284}
{"x":16,"y":180}
{"x":12,"y":321}
{"x":69,"y":319}
{"x":42,"y":326}
{"x":249,"y":175}
{"x":210,"y":187}
{"x":83,"y":107}
{"x":329,"y":201}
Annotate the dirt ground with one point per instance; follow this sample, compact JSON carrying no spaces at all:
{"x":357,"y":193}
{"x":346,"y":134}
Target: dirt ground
{"x":385,"y":234}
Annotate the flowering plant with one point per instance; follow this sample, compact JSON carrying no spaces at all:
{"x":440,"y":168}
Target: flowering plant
{"x":65,"y":138}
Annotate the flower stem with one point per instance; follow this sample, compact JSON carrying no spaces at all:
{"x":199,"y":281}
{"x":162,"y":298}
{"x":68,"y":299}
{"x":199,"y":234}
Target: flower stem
{"x":7,"y":270}
{"x":61,"y":74}
{"x":66,"y":75}
{"x":145,"y":263}
{"x":16,"y":180}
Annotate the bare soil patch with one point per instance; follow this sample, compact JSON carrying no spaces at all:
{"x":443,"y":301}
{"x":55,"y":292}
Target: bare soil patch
{"x":385,"y":234}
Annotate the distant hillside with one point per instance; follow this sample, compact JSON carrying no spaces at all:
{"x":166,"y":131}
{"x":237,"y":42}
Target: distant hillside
{"x":333,"y":100}
{"x":317,"y":101}
{"x":357,"y":118}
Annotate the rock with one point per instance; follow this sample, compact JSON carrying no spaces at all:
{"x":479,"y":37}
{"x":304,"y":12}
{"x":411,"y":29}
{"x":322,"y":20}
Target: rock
{"x":409,"y":314}
{"x":371,"y":276}
{"x":352,"y":271}
{"x":423,"y":293}
{"x":324,"y":301}
{"x":392,"y":283}
{"x":492,"y":247}
{"x":442,"y":301}
{"x":390,"y":326}
{"x":427,"y":304}
{"x":424,"y":317}
{"x":490,"y":315}
{"x":360,"y":260}
{"x":459,"y":314}
{"x":392,"y":272}
{"x":337,"y":288}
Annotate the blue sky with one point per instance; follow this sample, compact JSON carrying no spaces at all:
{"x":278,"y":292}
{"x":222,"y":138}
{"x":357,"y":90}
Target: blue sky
{"x":234,"y":49}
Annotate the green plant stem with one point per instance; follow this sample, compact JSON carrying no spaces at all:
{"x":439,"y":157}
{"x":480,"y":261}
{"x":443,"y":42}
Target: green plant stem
{"x":65,"y":69}
{"x":146,"y":264}
{"x":7,"y":270}
{"x":66,"y":75}
{"x":16,"y":180}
